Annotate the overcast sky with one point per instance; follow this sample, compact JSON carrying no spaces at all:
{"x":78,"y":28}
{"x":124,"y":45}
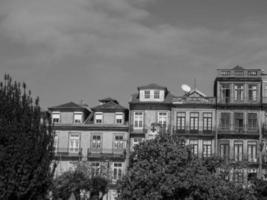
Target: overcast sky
{"x":68,"y":50}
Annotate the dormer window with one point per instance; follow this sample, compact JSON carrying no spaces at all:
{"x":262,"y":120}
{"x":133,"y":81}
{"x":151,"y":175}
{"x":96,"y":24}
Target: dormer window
{"x":98,"y":118}
{"x":77,"y":117}
{"x":252,"y":73}
{"x":56,"y":117}
{"x":119,"y":118}
{"x":225,"y":73}
{"x":156,"y":94}
{"x":147,"y":94}
{"x":239,"y":73}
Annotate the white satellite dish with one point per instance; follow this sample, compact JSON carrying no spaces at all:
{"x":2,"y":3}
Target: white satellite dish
{"x":186,"y":88}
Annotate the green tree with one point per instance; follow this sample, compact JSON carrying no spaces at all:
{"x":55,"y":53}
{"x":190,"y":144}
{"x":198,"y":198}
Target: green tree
{"x":80,"y":179}
{"x":26,"y":144}
{"x":164,"y":169}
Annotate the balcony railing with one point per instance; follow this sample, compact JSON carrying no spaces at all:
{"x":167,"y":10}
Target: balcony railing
{"x":194,"y":100}
{"x":232,"y":101}
{"x":106,"y":153}
{"x":68,"y":152}
{"x":232,"y":129}
{"x":193,"y":130}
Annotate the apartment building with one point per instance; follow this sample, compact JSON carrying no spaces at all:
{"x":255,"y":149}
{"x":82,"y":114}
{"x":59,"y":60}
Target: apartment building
{"x":239,"y":124}
{"x":194,"y":119}
{"x":150,"y":113}
{"x":97,"y":137}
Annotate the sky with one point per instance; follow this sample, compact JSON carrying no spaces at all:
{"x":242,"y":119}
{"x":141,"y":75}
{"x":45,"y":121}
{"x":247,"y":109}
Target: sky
{"x":73,"y":50}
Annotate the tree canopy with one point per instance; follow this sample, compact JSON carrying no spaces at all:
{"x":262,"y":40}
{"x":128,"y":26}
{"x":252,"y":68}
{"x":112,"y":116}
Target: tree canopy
{"x":164,"y":169}
{"x":80,"y":179}
{"x":26,"y":144}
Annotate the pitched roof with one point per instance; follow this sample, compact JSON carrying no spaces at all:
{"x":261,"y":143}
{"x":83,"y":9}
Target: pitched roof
{"x":69,"y":106}
{"x":238,"y":68}
{"x":152,"y":86}
{"x":195,"y":92}
{"x":109,"y":106}
{"x":108,"y":99}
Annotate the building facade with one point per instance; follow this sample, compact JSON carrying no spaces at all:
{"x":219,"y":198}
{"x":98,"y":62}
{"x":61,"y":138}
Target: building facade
{"x":231,"y":124}
{"x":150,"y":113}
{"x":96,"y":137}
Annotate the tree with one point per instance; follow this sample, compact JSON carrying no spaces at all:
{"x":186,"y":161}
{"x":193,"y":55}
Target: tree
{"x":26,"y":144}
{"x":80,"y":179}
{"x":164,"y":169}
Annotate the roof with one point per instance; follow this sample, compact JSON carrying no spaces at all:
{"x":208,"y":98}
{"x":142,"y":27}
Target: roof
{"x":168,"y":99}
{"x":108,"y":99}
{"x":152,"y":86}
{"x":109,"y":106}
{"x":194,"y":93}
{"x":238,"y":68}
{"x":69,"y":106}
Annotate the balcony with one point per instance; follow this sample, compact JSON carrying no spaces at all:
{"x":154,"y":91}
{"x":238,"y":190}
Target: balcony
{"x":232,"y":101}
{"x":106,"y":154}
{"x":137,"y":130}
{"x":68,"y":153}
{"x":194,"y":131}
{"x":232,"y":129}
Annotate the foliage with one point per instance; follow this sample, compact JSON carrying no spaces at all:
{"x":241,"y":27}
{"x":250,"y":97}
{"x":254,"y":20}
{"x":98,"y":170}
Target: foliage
{"x":164,"y":169}
{"x":81,"y":179}
{"x":26,"y":144}
{"x":260,"y":188}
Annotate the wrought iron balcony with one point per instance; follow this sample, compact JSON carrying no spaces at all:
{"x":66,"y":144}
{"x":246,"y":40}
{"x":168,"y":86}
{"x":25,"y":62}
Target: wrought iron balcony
{"x":68,"y":152}
{"x":106,"y":153}
{"x":193,"y":130}
{"x":233,"y":129}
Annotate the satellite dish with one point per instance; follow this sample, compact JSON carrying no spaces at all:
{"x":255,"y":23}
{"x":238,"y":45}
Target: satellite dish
{"x":186,"y":88}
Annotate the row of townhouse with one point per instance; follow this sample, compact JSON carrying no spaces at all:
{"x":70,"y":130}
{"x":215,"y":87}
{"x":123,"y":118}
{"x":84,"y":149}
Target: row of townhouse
{"x":230,"y":124}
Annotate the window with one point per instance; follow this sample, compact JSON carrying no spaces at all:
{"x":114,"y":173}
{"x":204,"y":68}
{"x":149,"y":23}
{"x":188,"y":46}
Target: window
{"x":225,"y":93}
{"x":118,"y":142}
{"x":180,"y":121}
{"x":96,"y":142}
{"x":239,"y":92}
{"x":252,"y":73}
{"x":147,"y":94}
{"x":74,"y":143}
{"x":252,"y":92}
{"x":119,"y":118}
{"x":95,"y":166}
{"x":194,"y":145}
{"x":225,"y":121}
{"x":56,"y":117}
{"x":117,"y":171}
{"x":238,"y":176}
{"x":98,"y":118}
{"x":252,"y":152}
{"x":238,"y":151}
{"x":206,"y":148}
{"x":207,"y":121}
{"x":194,"y":121}
{"x":56,"y":143}
{"x":225,"y":73}
{"x":77,"y":117}
{"x":162,"y":119}
{"x":138,"y":119}
{"x":156,"y":94}
{"x":224,"y":152}
{"x":239,"y":73}
{"x":252,"y":121}
{"x":239,"y":122}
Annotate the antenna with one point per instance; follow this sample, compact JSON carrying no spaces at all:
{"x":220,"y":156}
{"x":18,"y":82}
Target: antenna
{"x":186,"y":88}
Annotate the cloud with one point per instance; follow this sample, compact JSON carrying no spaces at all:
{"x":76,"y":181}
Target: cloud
{"x":111,"y":41}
